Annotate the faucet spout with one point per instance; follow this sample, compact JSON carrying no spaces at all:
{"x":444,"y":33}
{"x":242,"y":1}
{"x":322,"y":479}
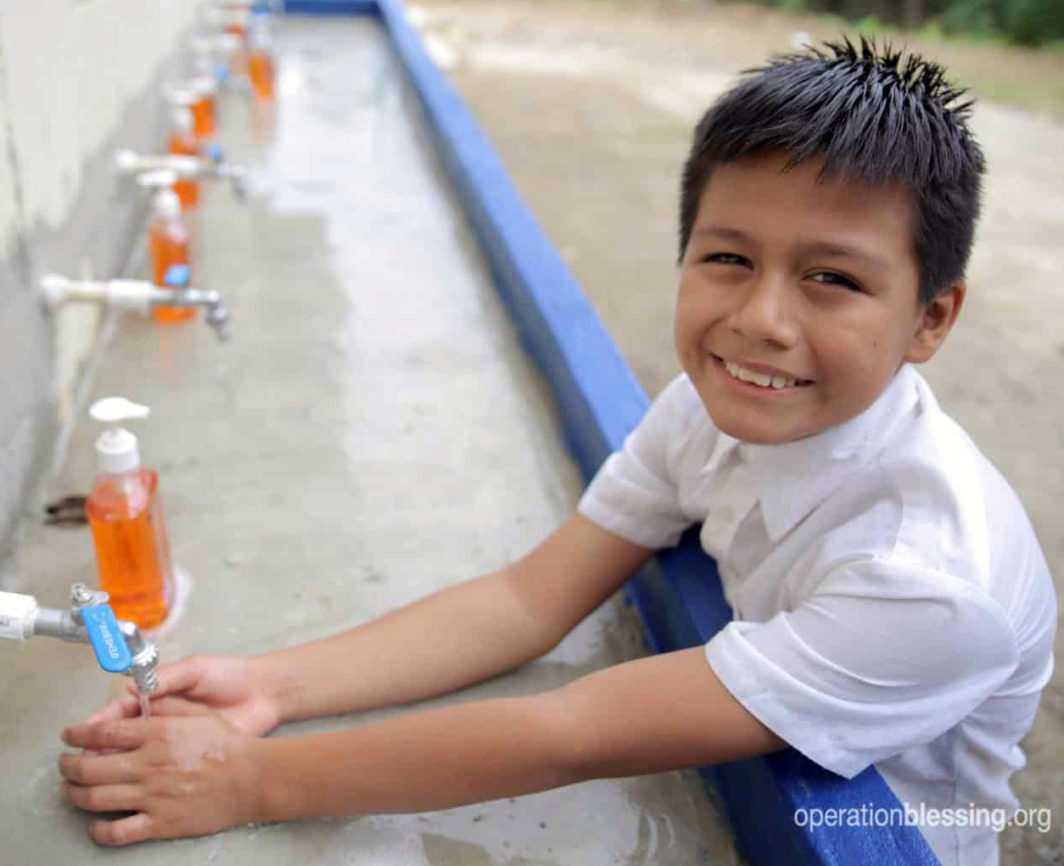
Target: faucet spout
{"x":23,"y":618}
{"x":213,"y":166}
{"x":139,"y":295}
{"x":217,"y":314}
{"x":145,"y":657}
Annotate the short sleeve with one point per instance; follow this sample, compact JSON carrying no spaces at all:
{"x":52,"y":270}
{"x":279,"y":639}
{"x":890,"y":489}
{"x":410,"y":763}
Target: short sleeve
{"x":880,"y":659}
{"x":634,"y":493}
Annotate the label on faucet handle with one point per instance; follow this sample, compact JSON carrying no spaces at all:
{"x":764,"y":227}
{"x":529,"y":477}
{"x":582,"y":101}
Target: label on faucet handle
{"x":106,"y":639}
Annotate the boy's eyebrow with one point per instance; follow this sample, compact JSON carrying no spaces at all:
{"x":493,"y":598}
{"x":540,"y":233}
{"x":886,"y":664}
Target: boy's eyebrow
{"x":828,"y":248}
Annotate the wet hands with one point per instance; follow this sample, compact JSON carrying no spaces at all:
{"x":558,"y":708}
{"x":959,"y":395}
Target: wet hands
{"x":234,"y":686}
{"x":186,"y":772}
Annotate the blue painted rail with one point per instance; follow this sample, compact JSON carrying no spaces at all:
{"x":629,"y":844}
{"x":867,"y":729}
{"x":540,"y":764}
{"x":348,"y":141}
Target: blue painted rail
{"x":679,"y":596}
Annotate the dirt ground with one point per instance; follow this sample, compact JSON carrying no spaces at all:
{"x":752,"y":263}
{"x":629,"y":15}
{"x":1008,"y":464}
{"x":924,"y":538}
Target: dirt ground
{"x":591,"y":104}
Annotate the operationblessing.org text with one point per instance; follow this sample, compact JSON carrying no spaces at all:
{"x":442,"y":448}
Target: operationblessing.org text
{"x":922,"y":815}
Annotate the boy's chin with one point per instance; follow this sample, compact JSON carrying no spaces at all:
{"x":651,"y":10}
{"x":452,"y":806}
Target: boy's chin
{"x":758,"y":429}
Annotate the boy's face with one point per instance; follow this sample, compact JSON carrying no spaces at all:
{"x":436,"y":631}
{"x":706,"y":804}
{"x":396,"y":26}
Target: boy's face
{"x":810,"y":281}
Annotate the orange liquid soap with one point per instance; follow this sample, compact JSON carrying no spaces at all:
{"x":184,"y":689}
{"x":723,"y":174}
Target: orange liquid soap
{"x":169,"y":246}
{"x":260,"y":71}
{"x":203,"y":120}
{"x":132,"y":550}
{"x":187,"y":189}
{"x":260,"y":57}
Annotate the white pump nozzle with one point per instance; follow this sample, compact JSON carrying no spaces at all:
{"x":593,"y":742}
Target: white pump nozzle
{"x":222,"y":44}
{"x":111,"y":410}
{"x":202,"y":85}
{"x":116,"y":447}
{"x":167,"y":205}
{"x":180,"y":95}
{"x":182,"y":121}
{"x":166,"y":202}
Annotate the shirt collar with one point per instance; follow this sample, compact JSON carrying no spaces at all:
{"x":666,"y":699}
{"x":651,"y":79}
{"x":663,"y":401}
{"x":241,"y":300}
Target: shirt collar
{"x":792,"y":478}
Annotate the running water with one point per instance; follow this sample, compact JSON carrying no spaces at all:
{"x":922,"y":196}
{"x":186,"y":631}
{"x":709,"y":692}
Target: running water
{"x":145,"y":706}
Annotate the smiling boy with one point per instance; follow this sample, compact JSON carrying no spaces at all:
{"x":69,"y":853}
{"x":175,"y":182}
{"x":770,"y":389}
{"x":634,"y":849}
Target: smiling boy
{"x":892,"y":605}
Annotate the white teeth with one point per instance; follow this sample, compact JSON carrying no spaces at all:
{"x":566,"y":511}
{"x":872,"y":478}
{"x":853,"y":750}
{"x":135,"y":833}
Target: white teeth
{"x":762,"y":379}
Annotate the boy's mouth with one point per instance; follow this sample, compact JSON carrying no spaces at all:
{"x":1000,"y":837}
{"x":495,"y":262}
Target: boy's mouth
{"x":763,"y":380}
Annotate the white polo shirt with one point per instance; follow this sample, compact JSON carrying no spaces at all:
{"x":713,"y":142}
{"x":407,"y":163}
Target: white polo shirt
{"x":892,"y":605}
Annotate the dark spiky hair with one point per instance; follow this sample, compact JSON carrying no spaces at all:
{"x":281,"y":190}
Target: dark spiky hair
{"x":872,"y":117}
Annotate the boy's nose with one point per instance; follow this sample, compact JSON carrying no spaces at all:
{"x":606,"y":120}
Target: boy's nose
{"x":763,"y":313}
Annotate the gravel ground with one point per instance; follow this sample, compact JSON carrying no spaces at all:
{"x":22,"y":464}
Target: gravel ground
{"x":591,"y":104}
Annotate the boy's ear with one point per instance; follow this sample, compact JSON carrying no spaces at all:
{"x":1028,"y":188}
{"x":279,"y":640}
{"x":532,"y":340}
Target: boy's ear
{"x":934,"y":323}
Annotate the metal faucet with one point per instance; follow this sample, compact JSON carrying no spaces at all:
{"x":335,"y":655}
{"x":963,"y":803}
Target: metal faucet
{"x":139,"y":295}
{"x":20,"y":618}
{"x":213,"y":166}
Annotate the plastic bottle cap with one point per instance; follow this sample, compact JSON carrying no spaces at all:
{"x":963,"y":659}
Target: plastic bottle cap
{"x":259,"y":31}
{"x":116,"y":448}
{"x":167,"y":204}
{"x":183,"y":96}
{"x":116,"y":451}
{"x":203,"y":86}
{"x":182,"y":121}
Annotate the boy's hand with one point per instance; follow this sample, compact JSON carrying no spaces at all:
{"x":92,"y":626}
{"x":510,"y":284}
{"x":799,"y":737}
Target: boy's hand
{"x":230,"y":685}
{"x":186,"y":774}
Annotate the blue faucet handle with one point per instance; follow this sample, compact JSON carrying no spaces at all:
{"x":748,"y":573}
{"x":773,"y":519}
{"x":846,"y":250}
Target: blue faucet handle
{"x":107,"y":641}
{"x":178,"y":276}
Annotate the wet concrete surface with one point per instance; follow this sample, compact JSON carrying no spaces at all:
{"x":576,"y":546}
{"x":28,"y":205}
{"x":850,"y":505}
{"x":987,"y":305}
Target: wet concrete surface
{"x":371,"y":433}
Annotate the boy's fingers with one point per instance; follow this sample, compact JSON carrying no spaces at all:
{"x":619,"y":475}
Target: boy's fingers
{"x":178,"y":677}
{"x":104,"y":798}
{"x":175,"y":706}
{"x":98,"y":769}
{"x":125,"y":831}
{"x":120,"y":708}
{"x":118,"y":734}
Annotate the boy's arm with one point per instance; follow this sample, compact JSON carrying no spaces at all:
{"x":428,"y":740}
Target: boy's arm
{"x":459,"y":635}
{"x":651,"y":715}
{"x":654,"y":714}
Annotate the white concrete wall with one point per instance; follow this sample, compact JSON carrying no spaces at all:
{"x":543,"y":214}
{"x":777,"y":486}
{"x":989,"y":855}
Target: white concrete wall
{"x":70,"y":68}
{"x":76,"y":76}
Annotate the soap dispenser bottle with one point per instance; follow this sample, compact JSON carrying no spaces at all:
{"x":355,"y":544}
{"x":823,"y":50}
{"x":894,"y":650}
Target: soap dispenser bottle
{"x":126,"y":517}
{"x":204,"y":117}
{"x":183,"y":142}
{"x":168,"y":241}
{"x":260,"y":55}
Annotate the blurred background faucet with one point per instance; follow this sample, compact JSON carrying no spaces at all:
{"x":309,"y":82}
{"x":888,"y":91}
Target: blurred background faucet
{"x":139,"y":295}
{"x":211,"y":165}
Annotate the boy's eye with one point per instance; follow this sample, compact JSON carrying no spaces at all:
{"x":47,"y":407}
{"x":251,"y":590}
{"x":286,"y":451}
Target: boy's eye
{"x":726,"y":259}
{"x":832,"y":279}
